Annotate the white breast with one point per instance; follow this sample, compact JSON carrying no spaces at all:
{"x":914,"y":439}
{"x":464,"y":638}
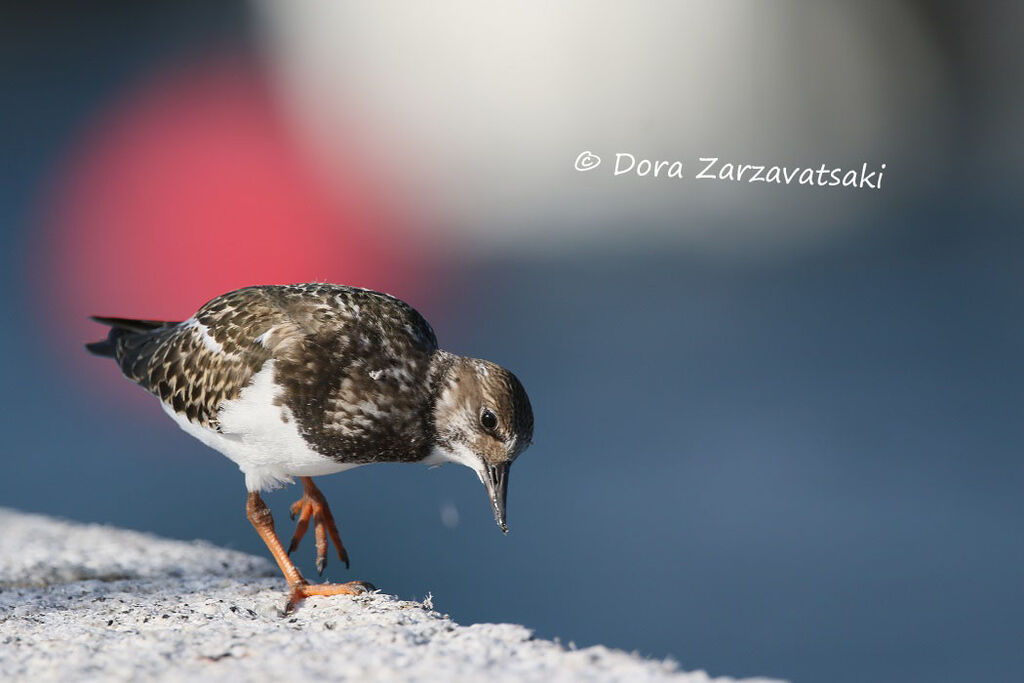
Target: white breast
{"x":260,"y":437}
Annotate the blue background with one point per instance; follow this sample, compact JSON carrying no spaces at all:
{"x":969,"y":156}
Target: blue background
{"x":807,"y":468}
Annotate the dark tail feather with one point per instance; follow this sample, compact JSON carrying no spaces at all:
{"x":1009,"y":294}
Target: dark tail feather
{"x":121,"y":327}
{"x":130,"y":324}
{"x":101,"y":348}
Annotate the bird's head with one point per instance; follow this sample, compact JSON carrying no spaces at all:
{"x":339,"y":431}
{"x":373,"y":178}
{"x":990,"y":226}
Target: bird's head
{"x":483,"y":420}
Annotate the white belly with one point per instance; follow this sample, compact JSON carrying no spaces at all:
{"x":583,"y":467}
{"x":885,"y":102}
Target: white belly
{"x":261,"y":438}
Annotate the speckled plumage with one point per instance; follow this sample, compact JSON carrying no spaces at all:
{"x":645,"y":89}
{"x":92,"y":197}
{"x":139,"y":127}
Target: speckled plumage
{"x":357,"y":373}
{"x":307,"y":380}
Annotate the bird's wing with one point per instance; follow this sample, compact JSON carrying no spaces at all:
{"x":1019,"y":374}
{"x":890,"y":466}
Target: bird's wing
{"x":360,"y":368}
{"x":321,"y":308}
{"x":197,"y":365}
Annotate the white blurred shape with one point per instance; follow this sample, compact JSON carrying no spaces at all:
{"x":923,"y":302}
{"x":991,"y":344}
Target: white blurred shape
{"x":449,"y":514}
{"x":482,"y":108}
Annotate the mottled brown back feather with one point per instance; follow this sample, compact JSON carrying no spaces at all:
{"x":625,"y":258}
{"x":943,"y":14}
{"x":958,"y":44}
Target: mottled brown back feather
{"x":317,"y":332}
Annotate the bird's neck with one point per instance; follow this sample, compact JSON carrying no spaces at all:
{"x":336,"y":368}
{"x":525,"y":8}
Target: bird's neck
{"x":442,"y":364}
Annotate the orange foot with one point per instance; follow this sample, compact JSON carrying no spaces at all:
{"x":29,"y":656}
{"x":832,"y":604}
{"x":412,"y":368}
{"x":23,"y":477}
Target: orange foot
{"x":259,"y":514}
{"x":301,"y":591}
{"x":314,"y":505}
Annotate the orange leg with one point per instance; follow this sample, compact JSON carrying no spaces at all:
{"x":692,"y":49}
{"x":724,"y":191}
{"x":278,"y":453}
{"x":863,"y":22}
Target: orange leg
{"x":258,"y":513}
{"x":313,"y":504}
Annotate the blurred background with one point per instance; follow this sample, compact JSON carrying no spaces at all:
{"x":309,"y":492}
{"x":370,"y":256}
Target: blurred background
{"x":778,"y":428}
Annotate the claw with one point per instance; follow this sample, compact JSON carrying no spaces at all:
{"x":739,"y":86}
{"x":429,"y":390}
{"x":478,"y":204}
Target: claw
{"x":333,"y":531}
{"x":300,"y":528}
{"x":313,"y":507}
{"x":296,"y":508}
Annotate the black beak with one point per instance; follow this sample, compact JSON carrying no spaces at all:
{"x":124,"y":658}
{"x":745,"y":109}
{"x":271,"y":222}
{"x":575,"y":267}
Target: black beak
{"x":496,"y":480}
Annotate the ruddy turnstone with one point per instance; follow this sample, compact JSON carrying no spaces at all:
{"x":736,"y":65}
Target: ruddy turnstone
{"x":311,"y":379}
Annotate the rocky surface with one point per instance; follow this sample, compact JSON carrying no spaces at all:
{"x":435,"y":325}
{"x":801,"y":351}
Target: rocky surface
{"x":91,"y":602}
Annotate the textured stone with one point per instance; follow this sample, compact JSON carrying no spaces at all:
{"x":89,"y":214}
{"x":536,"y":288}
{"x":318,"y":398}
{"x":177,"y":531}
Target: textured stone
{"x":92,"y":602}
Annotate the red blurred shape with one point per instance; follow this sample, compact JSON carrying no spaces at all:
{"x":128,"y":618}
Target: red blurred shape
{"x":192,"y":187}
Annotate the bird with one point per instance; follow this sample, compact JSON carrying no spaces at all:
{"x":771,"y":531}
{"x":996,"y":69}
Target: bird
{"x":306,"y":380}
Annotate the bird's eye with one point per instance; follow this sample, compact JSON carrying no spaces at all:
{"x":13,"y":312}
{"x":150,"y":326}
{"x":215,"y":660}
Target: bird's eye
{"x":488,"y":420}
